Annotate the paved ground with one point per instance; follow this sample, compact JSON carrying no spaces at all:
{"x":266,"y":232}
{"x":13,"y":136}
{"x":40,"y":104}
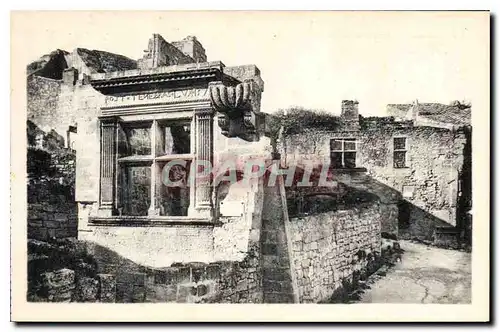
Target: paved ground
{"x":425,"y":275}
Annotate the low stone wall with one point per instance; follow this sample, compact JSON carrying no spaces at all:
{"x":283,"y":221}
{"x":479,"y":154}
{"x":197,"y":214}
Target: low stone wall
{"x":332,"y":250}
{"x":78,"y":271}
{"x":194,"y":282}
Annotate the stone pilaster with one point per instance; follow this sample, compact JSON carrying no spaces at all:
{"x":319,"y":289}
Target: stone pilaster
{"x":203,"y":155}
{"x":108,"y":166}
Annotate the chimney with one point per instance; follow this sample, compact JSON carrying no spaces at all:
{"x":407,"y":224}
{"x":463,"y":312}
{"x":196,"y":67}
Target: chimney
{"x":413,"y":111}
{"x":350,"y":114}
{"x":350,"y":109}
{"x":70,"y":76}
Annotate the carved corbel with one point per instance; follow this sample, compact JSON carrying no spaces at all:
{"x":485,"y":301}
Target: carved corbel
{"x":237,"y":107}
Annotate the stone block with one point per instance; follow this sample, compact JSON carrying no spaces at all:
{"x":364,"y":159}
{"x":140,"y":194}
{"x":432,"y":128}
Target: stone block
{"x":87,"y":289}
{"x":107,"y":288}
{"x":139,"y":294}
{"x":51,"y":223}
{"x":166,"y":293}
{"x":131,"y":278}
{"x":198,"y":273}
{"x":184,"y":293}
{"x":59,"y":278}
{"x":61,"y":217}
{"x":59,"y":285}
{"x":184,"y":275}
{"x":242,"y":285}
{"x":35,"y":222}
{"x":166,"y":277}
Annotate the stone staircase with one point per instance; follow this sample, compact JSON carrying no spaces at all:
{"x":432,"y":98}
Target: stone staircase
{"x":277,"y":280}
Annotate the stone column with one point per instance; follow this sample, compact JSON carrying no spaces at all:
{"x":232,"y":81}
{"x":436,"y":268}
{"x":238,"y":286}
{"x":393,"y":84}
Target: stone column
{"x":108,"y":167}
{"x":202,"y":206}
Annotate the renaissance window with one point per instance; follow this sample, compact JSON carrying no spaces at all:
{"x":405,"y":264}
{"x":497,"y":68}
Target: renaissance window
{"x":144,"y":185}
{"x":343,"y":152}
{"x":400,"y":150}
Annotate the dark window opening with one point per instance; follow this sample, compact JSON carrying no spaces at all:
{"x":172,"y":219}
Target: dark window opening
{"x":343,"y":153}
{"x":176,"y":139}
{"x":400,"y":151}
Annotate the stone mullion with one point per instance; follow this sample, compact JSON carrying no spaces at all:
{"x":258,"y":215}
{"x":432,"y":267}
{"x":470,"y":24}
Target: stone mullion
{"x":108,"y":165}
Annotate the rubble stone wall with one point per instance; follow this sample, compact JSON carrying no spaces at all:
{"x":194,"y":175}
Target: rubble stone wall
{"x":333,"y":249}
{"x":52,"y":211}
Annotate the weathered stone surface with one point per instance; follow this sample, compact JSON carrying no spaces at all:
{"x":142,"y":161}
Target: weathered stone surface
{"x":87,"y":289}
{"x":59,"y":285}
{"x":321,"y":264}
{"x":107,"y":285}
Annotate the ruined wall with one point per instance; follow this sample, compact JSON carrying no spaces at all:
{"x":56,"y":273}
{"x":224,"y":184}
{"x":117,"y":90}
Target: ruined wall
{"x":193,"y":282}
{"x":51,"y":186}
{"x":43,"y":96}
{"x":161,"y":53}
{"x":331,"y":250}
{"x":63,"y":271}
{"x":429,"y":183}
{"x":192,"y":48}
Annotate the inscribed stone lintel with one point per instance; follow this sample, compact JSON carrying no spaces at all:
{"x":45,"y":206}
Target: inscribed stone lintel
{"x":175,"y":96}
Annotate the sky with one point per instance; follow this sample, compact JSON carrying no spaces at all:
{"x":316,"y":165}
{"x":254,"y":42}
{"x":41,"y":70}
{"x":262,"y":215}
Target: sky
{"x":309,"y":59}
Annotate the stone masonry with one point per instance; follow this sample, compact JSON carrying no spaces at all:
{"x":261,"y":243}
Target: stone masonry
{"x":330,"y":249}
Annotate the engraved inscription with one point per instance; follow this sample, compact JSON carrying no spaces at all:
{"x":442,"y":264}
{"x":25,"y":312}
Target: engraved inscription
{"x":178,"y":95}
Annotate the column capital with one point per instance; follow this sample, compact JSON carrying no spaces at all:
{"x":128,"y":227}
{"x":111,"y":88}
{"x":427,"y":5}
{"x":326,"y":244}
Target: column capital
{"x":204,"y":111}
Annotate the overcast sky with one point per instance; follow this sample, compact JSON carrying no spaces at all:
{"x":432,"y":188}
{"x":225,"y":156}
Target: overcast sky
{"x":309,"y":59}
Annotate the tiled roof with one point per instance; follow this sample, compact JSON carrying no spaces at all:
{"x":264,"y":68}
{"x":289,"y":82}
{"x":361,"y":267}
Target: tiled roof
{"x":456,"y":113}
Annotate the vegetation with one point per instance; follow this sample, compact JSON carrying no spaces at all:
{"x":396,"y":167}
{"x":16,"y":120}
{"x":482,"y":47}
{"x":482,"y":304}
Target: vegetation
{"x":299,"y":120}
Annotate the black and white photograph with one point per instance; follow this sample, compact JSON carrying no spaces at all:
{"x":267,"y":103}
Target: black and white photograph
{"x":326,"y":158}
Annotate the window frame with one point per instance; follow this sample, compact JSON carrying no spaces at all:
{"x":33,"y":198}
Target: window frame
{"x":343,"y":150}
{"x":405,"y":150}
{"x":153,"y":160}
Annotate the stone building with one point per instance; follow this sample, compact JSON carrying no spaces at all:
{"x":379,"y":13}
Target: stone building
{"x":207,"y":238}
{"x":417,"y":160}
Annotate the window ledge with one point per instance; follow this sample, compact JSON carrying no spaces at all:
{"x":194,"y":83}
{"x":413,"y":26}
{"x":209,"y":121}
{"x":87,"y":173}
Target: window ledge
{"x":149,"y":221}
{"x":348,"y":170}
